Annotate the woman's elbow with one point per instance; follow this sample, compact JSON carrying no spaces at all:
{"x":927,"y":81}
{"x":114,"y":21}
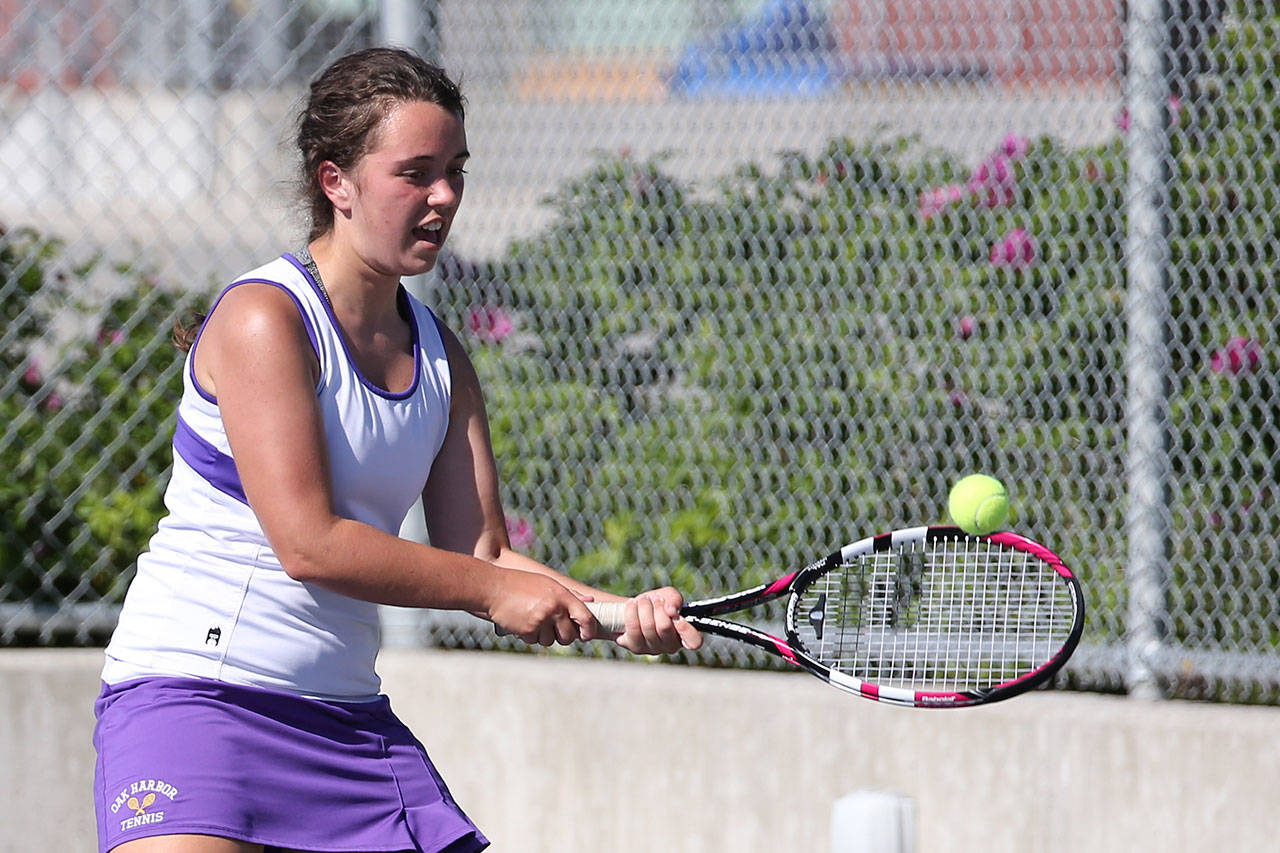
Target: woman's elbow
{"x":305,"y":550}
{"x":304,"y":562}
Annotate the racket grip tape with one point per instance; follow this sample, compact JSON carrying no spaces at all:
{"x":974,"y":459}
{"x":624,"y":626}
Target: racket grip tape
{"x":612,"y":616}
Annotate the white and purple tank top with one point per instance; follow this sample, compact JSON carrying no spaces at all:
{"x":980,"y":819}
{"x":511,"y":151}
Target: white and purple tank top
{"x":210,"y":599}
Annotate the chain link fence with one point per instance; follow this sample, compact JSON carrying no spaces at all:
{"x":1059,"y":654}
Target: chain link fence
{"x":743,"y":279}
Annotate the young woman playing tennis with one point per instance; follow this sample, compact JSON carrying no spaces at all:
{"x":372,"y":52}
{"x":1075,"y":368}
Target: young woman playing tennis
{"x":240,"y":709}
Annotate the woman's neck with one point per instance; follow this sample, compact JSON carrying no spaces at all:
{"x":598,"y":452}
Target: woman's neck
{"x":362,"y":298}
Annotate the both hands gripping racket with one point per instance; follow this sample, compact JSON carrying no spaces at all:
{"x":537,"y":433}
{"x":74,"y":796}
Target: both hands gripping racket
{"x":928,"y":616}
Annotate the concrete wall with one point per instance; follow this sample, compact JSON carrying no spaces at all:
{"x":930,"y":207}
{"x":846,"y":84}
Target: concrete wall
{"x":553,"y":754}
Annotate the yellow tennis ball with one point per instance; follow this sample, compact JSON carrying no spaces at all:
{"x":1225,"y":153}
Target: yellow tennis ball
{"x":979,"y":504}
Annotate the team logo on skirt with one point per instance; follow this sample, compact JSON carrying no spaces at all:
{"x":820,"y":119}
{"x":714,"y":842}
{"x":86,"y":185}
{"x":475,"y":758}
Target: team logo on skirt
{"x":141,"y":803}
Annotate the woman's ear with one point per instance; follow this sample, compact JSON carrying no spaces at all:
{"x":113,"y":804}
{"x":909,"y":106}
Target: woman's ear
{"x":336,"y":186}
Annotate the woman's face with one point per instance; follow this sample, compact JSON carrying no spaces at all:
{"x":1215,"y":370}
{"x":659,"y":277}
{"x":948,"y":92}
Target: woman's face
{"x":406,"y":189}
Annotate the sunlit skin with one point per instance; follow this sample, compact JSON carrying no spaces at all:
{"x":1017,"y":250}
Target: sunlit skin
{"x":254,"y":356}
{"x":392,"y":214}
{"x":407,"y":184}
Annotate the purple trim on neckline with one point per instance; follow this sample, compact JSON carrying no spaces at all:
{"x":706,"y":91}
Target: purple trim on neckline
{"x":402,"y":299}
{"x":306,"y":323}
{"x":208,"y":461}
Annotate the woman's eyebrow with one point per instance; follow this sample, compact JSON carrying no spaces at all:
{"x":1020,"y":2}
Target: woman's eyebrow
{"x":461,"y":155}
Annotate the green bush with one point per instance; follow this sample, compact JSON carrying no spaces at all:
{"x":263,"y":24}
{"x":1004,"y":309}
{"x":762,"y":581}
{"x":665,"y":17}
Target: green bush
{"x":1226,"y":414}
{"x":711,"y":373}
{"x":91,"y":383}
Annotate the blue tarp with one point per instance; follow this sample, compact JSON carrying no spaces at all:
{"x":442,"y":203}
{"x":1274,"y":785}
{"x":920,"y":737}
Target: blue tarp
{"x":784,"y":50}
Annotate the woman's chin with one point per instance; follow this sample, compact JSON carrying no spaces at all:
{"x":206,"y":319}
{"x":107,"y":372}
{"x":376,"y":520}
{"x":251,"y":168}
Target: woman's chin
{"x":420,"y":262}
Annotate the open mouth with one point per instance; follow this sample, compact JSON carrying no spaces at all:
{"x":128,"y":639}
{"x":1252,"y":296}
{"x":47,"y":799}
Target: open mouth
{"x":432,"y":232}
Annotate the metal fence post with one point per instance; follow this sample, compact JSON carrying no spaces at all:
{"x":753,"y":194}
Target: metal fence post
{"x":411,"y":24}
{"x":1147,"y":355}
{"x":200,"y":97}
{"x":53,"y":104}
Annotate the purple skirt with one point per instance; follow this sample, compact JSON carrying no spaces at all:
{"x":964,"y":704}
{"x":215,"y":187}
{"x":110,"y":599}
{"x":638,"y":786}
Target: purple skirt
{"x":187,"y":755}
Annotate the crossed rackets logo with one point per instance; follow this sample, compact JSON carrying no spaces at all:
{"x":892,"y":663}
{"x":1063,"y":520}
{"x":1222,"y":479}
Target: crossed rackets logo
{"x":141,"y":807}
{"x":134,"y":804}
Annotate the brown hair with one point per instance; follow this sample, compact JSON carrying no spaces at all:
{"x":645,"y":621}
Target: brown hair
{"x":347,"y":102}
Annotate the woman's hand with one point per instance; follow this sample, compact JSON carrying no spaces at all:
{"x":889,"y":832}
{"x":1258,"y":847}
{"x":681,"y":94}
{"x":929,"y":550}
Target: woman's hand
{"x":655,"y":626}
{"x":537,"y":609}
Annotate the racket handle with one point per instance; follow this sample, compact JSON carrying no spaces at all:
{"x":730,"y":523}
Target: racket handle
{"x":612,"y":616}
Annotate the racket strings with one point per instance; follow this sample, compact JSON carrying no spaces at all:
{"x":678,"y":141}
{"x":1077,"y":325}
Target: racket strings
{"x":948,"y":615}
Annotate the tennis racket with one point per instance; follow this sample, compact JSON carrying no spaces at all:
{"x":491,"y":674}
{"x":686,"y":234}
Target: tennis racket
{"x":931,"y":617}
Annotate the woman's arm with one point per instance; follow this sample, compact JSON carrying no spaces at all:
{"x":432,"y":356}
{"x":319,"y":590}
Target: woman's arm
{"x":464,"y":513}
{"x":255,"y":356}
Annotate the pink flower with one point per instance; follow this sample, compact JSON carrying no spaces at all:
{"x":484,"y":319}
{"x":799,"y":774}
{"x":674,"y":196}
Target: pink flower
{"x":1017,"y":250}
{"x":965,"y":327}
{"x":489,"y":324}
{"x":110,"y":336}
{"x":54,"y":402}
{"x":1240,"y":355}
{"x":1123,"y":121}
{"x":32,"y":377}
{"x":520,"y":532}
{"x":1015,"y":146}
{"x":936,"y":200}
{"x":994,"y":179}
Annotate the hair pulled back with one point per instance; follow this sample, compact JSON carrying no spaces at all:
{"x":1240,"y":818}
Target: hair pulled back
{"x":348,"y":101}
